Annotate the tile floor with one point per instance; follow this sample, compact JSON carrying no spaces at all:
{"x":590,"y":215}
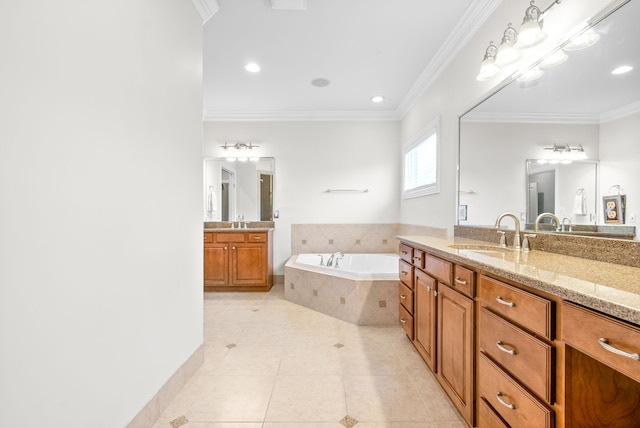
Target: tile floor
{"x":270,"y":363}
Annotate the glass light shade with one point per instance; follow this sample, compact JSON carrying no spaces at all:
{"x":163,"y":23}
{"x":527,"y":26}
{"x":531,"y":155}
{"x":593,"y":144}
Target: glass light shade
{"x":582,"y":41}
{"x":556,"y":58}
{"x":533,"y":74}
{"x":531,"y":34}
{"x":488,"y":70}
{"x":507,"y":54}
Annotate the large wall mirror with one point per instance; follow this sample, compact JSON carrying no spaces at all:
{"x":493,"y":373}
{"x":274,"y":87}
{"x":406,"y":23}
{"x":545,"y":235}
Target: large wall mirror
{"x":238,"y":189}
{"x":506,"y":139}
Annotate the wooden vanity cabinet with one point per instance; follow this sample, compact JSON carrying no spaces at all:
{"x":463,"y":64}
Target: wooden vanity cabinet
{"x":238,"y":261}
{"x":443,"y":317}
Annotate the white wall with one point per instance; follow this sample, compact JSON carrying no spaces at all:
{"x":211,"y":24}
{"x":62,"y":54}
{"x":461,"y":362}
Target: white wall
{"x":457,"y":90}
{"x":620,"y":161}
{"x":100,"y":213}
{"x":311,"y":157}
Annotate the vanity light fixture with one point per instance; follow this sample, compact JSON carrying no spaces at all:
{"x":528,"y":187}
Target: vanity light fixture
{"x":488,"y":68}
{"x":507,"y":52}
{"x":239,"y":151}
{"x":565,"y":154}
{"x":531,"y":32}
{"x":582,"y":41}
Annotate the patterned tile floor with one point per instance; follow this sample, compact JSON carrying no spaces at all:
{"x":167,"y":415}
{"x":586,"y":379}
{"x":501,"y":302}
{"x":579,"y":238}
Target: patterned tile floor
{"x":270,"y":363}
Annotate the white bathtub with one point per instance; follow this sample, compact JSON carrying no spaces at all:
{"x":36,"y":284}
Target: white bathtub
{"x":357,"y":265}
{"x":363,"y":290}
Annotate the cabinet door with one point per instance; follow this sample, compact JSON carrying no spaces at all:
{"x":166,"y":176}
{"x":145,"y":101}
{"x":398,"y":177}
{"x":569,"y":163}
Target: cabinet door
{"x":249,"y":264}
{"x":455,"y":349}
{"x":216,"y":264}
{"x":425,"y":312}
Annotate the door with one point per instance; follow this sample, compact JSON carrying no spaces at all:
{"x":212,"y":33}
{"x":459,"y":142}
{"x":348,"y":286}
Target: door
{"x":455,"y":349}
{"x":425,"y":312}
{"x":266,"y":197}
{"x":216,"y":264}
{"x":249,"y":264}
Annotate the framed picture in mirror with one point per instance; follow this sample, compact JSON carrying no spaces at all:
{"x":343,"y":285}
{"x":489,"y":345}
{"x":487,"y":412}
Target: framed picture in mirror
{"x":613,"y":206}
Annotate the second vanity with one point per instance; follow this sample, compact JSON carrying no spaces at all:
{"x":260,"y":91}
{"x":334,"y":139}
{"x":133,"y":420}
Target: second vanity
{"x":524,"y":339}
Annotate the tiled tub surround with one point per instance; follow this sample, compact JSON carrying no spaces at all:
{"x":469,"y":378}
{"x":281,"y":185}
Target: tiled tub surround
{"x":342,"y":295}
{"x":613,"y":289}
{"x":618,"y":251}
{"x":354,"y":238}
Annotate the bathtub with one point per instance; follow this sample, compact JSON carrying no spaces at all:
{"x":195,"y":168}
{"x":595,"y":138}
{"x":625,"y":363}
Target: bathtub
{"x":363,"y":290}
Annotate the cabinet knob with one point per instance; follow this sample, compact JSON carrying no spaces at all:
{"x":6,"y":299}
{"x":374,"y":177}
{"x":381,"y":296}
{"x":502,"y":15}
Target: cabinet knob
{"x":233,"y":248}
{"x":225,"y":248}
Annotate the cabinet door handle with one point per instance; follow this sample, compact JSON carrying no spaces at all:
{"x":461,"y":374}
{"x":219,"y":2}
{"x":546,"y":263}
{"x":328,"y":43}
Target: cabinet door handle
{"x":403,"y":321}
{"x":603,"y":342}
{"x":435,"y":293}
{"x":504,"y":302}
{"x":460,"y":281}
{"x":403,"y":297}
{"x":428,"y":288}
{"x":504,"y":403}
{"x":233,"y":248}
{"x":503,"y":349}
{"x":225,"y":248}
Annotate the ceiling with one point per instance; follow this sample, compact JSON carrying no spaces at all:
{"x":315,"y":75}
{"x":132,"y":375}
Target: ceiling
{"x":362,"y":47}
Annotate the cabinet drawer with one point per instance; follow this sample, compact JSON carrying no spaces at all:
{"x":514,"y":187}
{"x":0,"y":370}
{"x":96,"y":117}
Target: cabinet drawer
{"x":406,"y":321}
{"x":406,"y":253}
{"x":229,"y":237}
{"x":418,"y":258}
{"x":609,"y":341}
{"x":528,"y":359}
{"x":488,"y":417}
{"x":405,"y":297}
{"x":208,"y":237}
{"x":530,"y":311}
{"x":464,"y":280}
{"x":405,"y":272}
{"x":510,"y":400}
{"x":256,"y":237}
{"x":438,"y":268}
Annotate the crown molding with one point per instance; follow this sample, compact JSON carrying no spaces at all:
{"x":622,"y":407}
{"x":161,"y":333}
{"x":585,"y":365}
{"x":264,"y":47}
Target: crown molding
{"x":206,"y":8}
{"x":566,"y":119}
{"x":293,"y":116}
{"x":475,"y":15}
{"x":620,"y":112}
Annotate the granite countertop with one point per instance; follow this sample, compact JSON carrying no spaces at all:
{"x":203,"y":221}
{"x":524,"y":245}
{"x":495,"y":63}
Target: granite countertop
{"x":606,"y":287}
{"x":235,"y":229}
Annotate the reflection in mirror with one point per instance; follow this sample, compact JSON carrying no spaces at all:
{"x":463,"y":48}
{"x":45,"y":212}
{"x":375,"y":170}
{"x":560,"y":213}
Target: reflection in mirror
{"x":234,"y":189}
{"x":577,"y":103}
{"x":567,"y":190}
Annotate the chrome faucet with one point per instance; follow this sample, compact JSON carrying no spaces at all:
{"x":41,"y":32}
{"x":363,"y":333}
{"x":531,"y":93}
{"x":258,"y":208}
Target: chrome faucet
{"x":331,"y":258}
{"x":543,"y":215}
{"x":563,"y":224}
{"x":516,"y":239}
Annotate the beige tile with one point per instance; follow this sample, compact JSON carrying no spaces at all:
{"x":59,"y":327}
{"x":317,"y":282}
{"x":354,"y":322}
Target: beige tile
{"x":307,"y":399}
{"x":311,"y":360}
{"x":384,"y":398}
{"x":251,"y":360}
{"x":232,"y":398}
{"x":303,"y":425}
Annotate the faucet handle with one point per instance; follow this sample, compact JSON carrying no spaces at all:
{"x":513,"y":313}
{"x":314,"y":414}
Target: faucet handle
{"x":525,"y":241}
{"x":503,"y":238}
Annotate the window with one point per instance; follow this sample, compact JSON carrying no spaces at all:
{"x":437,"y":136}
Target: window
{"x":421,"y":164}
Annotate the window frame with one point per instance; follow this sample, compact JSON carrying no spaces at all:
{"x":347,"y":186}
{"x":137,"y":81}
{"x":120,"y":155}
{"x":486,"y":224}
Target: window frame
{"x":427,"y":132}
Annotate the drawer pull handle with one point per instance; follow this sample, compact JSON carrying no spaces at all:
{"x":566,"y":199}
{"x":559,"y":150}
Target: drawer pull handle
{"x":403,"y":321}
{"x":403,"y":297}
{"x":404,"y":252}
{"x":404,"y":272}
{"x":416,"y":258}
{"x":460,"y":281}
{"x":504,"y":403}
{"x":504,"y":302}
{"x":603,"y":342}
{"x":503,"y":349}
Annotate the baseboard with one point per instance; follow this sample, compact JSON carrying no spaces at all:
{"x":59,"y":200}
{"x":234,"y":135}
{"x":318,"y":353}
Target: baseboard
{"x":150,"y":413}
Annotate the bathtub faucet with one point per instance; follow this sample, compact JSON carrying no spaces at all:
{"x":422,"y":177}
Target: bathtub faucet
{"x":333,"y":256}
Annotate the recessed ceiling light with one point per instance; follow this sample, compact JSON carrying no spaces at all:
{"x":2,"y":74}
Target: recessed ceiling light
{"x":622,"y":69}
{"x":252,"y":67}
{"x":377,"y":98}
{"x":320,"y":82}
